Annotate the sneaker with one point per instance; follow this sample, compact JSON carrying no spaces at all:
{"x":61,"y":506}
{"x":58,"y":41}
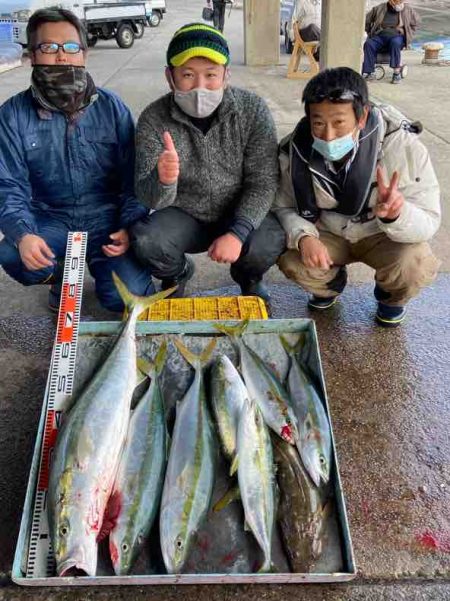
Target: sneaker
{"x":320,"y":303}
{"x":54,"y":297}
{"x":389,"y":316}
{"x":396,"y":78}
{"x":256,"y":289}
{"x":180,"y":281}
{"x":370,"y":76}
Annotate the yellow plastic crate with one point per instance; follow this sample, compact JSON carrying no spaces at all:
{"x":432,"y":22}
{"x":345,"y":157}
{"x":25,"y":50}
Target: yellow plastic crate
{"x":207,"y":308}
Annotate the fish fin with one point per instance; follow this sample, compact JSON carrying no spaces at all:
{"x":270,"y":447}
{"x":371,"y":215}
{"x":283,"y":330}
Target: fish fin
{"x":267,"y":567}
{"x":197,"y":361}
{"x":141,"y":303}
{"x":161,"y":356}
{"x":294,"y":349}
{"x":232,"y":494}
{"x":112,"y":512}
{"x":234,"y":465}
{"x":145,"y":367}
{"x":233,"y":331}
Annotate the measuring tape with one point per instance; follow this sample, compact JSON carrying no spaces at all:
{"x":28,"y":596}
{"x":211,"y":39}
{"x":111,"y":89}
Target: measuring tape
{"x":41,"y":562}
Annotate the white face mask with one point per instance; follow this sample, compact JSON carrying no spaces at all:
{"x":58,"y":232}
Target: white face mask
{"x":200,"y":102}
{"x":399,"y":7}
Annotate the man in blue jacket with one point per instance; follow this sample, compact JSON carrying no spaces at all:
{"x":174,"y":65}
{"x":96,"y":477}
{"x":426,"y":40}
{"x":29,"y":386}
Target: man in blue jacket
{"x":67,"y":164}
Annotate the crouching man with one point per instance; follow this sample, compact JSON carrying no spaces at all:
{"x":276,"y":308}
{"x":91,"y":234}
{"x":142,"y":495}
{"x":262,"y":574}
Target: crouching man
{"x":207,"y":163}
{"x":67,"y":163}
{"x":357,"y":186}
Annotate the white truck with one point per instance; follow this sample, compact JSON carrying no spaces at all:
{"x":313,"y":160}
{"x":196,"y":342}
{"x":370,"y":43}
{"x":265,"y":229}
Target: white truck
{"x":124,"y":21}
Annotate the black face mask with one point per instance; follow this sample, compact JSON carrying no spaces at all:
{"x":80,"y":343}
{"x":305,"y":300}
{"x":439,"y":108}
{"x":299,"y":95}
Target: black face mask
{"x":65,"y":88}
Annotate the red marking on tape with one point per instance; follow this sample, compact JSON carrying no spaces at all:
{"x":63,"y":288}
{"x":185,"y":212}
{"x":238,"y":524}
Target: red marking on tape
{"x":67,"y":313}
{"x":50,"y":434}
{"x":437,"y":541}
{"x":77,"y":237}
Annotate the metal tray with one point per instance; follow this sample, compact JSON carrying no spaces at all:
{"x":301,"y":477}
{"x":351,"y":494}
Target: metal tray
{"x":223,"y":552}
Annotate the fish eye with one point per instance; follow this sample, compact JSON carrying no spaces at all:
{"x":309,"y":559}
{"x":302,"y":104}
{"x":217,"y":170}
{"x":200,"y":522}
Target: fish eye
{"x":322,"y":460}
{"x":125,"y":547}
{"x":179,"y":543}
{"x":64,"y":530}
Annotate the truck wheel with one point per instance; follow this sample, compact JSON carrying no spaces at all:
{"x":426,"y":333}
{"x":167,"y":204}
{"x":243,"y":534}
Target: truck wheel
{"x":155,"y":19}
{"x":125,"y":36}
{"x":92,"y":40}
{"x":139,"y":31}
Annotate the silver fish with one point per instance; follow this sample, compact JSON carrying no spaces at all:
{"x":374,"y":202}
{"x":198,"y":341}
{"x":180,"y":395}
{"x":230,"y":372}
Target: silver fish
{"x":228,"y":394}
{"x":256,"y":478}
{"x":88,"y":449}
{"x":264,"y":387}
{"x":314,"y":442}
{"x":140,"y":478}
{"x":189,"y":477}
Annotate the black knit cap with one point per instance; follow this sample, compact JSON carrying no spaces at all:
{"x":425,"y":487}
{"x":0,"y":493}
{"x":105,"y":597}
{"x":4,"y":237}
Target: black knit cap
{"x":197,"y":39}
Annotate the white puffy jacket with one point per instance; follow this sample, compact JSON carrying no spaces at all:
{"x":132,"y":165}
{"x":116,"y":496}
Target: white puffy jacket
{"x":401,"y":151}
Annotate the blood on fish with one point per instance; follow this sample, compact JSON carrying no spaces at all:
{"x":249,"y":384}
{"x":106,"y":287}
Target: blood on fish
{"x":203,"y":543}
{"x":113,"y":552}
{"x":112,"y":512}
{"x":286,"y":433}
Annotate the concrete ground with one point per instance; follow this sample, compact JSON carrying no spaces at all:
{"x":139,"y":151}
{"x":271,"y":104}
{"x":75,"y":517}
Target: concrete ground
{"x":388,"y":391}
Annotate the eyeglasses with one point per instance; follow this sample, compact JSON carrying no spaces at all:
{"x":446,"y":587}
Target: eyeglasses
{"x":53,"y":47}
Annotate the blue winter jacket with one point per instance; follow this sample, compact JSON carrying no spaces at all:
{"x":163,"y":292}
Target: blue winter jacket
{"x":81,"y":173}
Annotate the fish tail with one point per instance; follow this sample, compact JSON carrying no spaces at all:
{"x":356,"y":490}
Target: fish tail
{"x":232,"y":494}
{"x":294,"y":349}
{"x":233,"y":331}
{"x":149,"y":368}
{"x":133,"y":301}
{"x":197,"y":361}
{"x":267,"y":566}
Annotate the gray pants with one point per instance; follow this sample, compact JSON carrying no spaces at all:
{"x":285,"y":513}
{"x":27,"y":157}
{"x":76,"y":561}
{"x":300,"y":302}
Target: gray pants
{"x":161,"y":240}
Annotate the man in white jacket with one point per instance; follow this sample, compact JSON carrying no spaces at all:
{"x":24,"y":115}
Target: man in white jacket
{"x":357,"y":185}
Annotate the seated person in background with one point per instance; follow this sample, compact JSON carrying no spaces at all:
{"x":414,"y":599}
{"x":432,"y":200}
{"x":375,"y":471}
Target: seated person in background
{"x":66,"y":164}
{"x":207,"y":163}
{"x":390,"y":27}
{"x":357,"y":185}
{"x":308,"y":15}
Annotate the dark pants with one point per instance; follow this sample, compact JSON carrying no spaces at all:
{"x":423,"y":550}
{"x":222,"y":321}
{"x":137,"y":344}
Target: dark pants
{"x":136,"y":277}
{"x":380,"y":43}
{"x":219,"y":15}
{"x":162,"y":239}
{"x":311,"y":33}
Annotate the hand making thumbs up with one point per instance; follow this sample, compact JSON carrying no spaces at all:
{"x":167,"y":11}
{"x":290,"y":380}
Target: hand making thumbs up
{"x":168,"y":162}
{"x":390,"y":199}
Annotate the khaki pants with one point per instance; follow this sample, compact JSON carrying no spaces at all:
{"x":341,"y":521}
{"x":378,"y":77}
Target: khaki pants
{"x":401,"y":270}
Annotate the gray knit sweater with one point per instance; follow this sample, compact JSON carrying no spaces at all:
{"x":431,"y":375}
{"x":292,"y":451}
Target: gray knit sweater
{"x":229,"y":174}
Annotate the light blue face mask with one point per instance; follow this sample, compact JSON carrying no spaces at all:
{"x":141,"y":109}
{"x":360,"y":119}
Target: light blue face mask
{"x":336,"y":149}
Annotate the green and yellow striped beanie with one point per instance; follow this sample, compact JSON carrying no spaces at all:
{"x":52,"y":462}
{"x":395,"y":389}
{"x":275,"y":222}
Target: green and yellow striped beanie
{"x":197,"y":39}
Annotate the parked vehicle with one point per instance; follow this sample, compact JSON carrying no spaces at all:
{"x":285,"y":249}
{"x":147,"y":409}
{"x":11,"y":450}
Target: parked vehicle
{"x":123,"y":21}
{"x":158,"y":10}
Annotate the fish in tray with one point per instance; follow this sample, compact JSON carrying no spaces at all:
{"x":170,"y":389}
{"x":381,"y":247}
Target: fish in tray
{"x":302,"y":514}
{"x":88,"y":449}
{"x":228,"y":395}
{"x":140,"y":477}
{"x":264,"y":387}
{"x":189,"y":480}
{"x":314,"y":442}
{"x":256,"y":479}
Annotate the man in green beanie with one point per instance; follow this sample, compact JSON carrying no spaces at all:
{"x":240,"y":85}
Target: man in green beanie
{"x":206,"y":163}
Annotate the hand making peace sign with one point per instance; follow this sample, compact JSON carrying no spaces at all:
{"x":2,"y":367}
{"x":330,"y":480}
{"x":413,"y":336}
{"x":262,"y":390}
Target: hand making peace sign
{"x":390,"y":199}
